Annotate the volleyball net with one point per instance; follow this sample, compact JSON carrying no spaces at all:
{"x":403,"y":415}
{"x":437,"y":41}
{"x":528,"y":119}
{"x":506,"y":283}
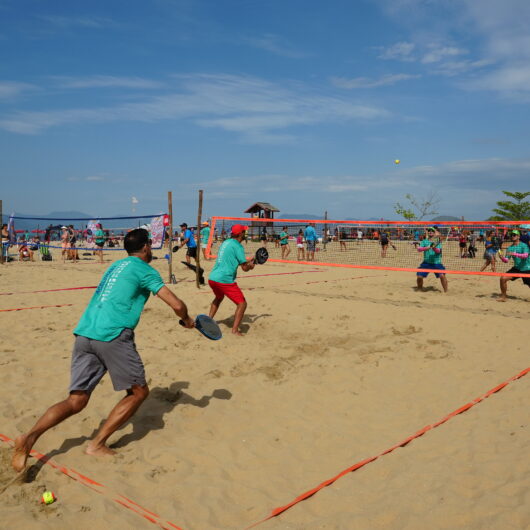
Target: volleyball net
{"x":81,"y":233}
{"x":387,"y":245}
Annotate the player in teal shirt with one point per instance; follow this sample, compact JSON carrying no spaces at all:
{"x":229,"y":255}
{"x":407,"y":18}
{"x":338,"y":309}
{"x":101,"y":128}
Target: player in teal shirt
{"x":284,"y":243}
{"x":520,"y":252}
{"x":205,"y":235}
{"x":222,"y":279}
{"x":431,"y":247}
{"x":105,"y":342}
{"x":119,"y":299}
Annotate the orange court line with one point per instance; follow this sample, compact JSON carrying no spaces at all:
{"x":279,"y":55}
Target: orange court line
{"x":35,"y":307}
{"x":421,"y":432}
{"x":99,"y":488}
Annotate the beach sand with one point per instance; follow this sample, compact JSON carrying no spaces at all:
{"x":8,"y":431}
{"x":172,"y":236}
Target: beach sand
{"x":336,"y":366}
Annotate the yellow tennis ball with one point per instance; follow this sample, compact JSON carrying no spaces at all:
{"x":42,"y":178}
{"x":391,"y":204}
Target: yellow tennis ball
{"x":48,"y":497}
{"x":397,"y":161}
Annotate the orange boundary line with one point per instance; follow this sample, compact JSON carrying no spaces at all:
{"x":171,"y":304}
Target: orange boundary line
{"x":35,"y":307}
{"x":99,"y":488}
{"x":398,"y":269}
{"x":421,"y":432}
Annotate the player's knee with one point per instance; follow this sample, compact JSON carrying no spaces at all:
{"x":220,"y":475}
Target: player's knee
{"x":78,"y":401}
{"x":139,"y":392}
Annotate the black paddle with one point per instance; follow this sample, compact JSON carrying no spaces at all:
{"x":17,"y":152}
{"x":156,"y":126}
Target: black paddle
{"x":261,"y":256}
{"x":207,"y":326}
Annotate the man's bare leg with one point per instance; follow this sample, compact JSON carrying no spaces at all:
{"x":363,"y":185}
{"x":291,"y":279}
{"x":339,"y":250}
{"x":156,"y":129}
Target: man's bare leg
{"x":419,"y":283}
{"x":238,"y":317}
{"x":57,"y":413}
{"x":118,"y":416}
{"x":443,"y":281}
{"x":504,"y":289}
{"x":215,"y":306}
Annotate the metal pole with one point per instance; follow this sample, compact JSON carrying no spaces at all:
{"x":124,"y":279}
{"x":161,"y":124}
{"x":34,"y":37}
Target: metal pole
{"x":198,"y":257}
{"x":170,"y":214}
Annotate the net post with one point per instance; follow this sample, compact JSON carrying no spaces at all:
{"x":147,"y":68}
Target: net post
{"x":324,"y":235}
{"x":198,"y":257}
{"x":170,"y":215}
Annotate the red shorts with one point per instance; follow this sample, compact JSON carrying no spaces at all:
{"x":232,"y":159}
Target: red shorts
{"x":227,"y":289}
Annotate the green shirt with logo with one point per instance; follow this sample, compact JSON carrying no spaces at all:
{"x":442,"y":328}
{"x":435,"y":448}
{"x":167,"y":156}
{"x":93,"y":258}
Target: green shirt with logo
{"x":429,"y":256}
{"x":119,"y":299}
{"x":522,"y":264}
{"x":231,"y":255}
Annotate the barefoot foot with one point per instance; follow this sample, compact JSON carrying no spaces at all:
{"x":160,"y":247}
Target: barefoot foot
{"x":20,"y":453}
{"x":237,"y":332}
{"x":99,"y":450}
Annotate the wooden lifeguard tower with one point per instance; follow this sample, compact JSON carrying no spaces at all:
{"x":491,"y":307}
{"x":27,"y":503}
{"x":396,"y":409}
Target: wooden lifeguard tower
{"x":261,"y":210}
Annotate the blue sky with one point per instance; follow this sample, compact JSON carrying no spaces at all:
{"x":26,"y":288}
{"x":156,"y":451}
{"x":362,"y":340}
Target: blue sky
{"x":302,"y":103}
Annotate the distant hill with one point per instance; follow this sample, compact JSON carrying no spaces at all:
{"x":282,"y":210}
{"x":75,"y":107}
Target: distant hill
{"x":299,"y":216}
{"x":442,"y":218}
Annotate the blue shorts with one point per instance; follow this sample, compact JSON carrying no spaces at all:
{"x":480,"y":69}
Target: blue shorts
{"x":430,"y":266}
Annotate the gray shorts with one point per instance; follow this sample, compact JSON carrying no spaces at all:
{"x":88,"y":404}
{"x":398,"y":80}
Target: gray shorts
{"x":311,"y":245}
{"x":91,"y":359}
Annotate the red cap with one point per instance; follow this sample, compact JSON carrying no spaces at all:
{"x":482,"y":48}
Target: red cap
{"x":237,"y":229}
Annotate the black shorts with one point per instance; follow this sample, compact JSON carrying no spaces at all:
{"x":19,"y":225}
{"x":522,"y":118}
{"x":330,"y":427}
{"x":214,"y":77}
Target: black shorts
{"x":514,"y":270}
{"x":192,"y":252}
{"x":100,"y":245}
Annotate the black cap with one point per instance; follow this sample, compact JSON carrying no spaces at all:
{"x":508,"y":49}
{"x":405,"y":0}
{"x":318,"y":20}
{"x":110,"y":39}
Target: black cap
{"x":184,"y":224}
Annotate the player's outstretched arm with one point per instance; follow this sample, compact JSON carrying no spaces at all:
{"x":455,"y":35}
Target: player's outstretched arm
{"x":177,"y":305}
{"x":248,"y":265}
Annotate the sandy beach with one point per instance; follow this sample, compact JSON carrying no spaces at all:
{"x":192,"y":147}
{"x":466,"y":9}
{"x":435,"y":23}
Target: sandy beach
{"x":336,"y":366}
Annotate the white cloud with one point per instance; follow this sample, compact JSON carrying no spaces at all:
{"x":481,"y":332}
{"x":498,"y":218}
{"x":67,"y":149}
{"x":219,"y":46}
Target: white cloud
{"x":474,"y":176}
{"x":438,"y":53}
{"x":89,"y":22}
{"x":401,"y":51}
{"x":496,"y":35}
{"x":12,"y":89}
{"x":105,"y":81}
{"x":366,"y":82}
{"x":250,"y":106}
{"x":275,"y":44}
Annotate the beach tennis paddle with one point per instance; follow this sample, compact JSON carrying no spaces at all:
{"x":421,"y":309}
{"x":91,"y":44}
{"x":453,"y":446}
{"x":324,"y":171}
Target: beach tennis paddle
{"x":261,"y":256}
{"x":207,"y":326}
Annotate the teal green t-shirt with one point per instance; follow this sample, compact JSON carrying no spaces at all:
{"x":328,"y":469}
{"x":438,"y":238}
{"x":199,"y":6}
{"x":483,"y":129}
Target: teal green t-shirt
{"x":205,"y":234}
{"x":522,"y":264}
{"x":100,"y":236}
{"x":429,"y":256}
{"x":119,"y":299}
{"x":231,"y":255}
{"x":284,"y":238}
